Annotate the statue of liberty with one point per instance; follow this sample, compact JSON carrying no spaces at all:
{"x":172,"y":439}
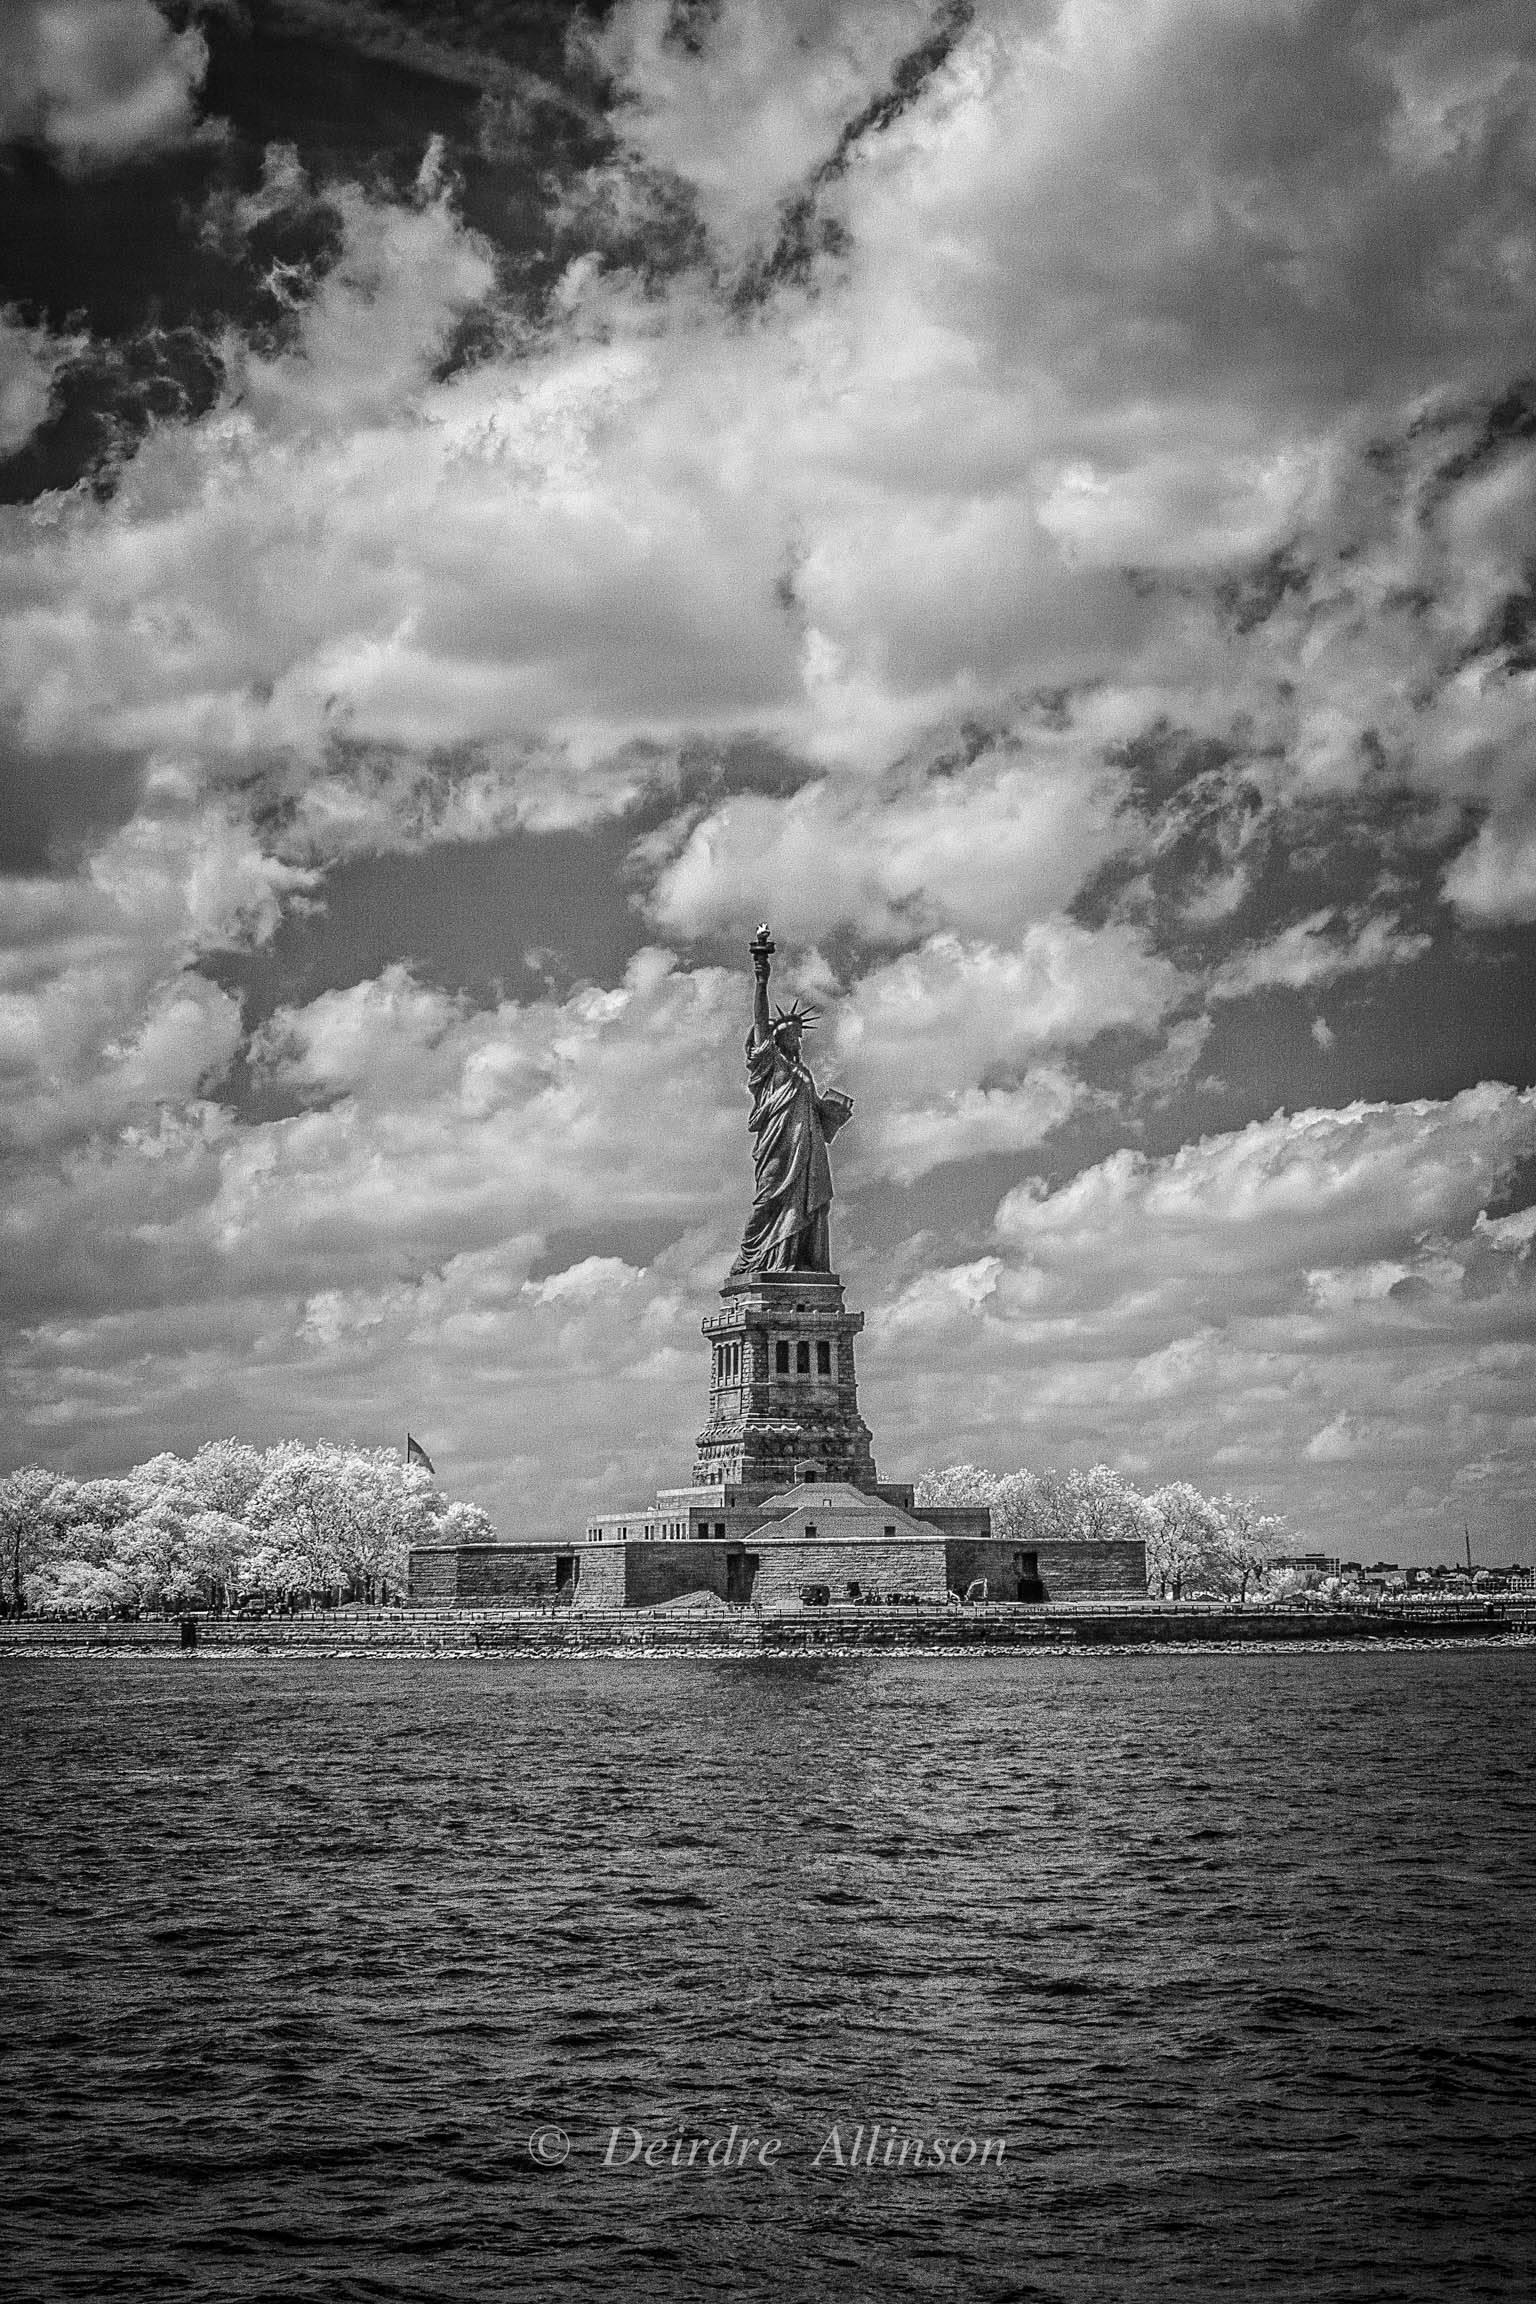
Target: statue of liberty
{"x":791,"y":1126}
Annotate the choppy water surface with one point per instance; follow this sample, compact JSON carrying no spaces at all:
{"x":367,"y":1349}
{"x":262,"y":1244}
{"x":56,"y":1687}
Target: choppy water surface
{"x":1233,"y":1951}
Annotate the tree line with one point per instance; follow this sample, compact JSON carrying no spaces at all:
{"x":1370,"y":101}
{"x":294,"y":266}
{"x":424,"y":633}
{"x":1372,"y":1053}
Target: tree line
{"x":1198,"y":1546}
{"x":304,"y":1523}
{"x":294,"y":1525}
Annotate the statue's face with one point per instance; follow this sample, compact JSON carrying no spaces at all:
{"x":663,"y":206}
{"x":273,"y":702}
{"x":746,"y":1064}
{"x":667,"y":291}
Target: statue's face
{"x":789,"y":1037}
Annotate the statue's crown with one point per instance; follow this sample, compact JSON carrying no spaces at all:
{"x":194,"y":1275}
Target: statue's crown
{"x":797,"y":1013}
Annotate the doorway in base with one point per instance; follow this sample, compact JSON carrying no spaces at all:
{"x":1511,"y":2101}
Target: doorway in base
{"x":740,"y":1576}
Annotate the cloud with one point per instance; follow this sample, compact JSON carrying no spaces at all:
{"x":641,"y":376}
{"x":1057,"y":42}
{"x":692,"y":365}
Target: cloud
{"x":745,"y":104}
{"x":30,"y":358}
{"x":97,"y":82}
{"x":1207,"y":1312}
{"x":955,"y":1010}
{"x":1023,"y":434}
{"x":496,"y":1374}
{"x":1158,"y":1076}
{"x":970,"y":1124}
{"x":503,"y":561}
{"x":983,"y":849}
{"x":102,"y":1016}
{"x":595,"y":1278}
{"x":1316,"y":1305}
{"x":1317,"y":950}
{"x":377,"y":1038}
{"x":423,"y":1126}
{"x":1165,"y":193}
{"x":1264,"y":1202}
{"x":420,"y":1129}
{"x":1493,"y":880}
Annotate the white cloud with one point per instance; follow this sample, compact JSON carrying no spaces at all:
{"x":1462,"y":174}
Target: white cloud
{"x":101,"y":1016}
{"x":97,"y":81}
{"x":440,"y":1128}
{"x":29,"y":360}
{"x":1159,"y":1075}
{"x":1493,"y":880}
{"x":969,"y":1124}
{"x":1218,"y":1307}
{"x":1249,"y":1207}
{"x":852,"y":518}
{"x":1317,"y":950}
{"x":1316,"y":1305}
{"x":377,"y":1038}
{"x":955,"y":1011}
{"x":984,"y":850}
{"x":594,"y":1279}
{"x":748,"y":106}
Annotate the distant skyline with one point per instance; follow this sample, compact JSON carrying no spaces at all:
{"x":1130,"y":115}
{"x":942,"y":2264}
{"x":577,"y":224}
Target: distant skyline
{"x":1037,"y":500}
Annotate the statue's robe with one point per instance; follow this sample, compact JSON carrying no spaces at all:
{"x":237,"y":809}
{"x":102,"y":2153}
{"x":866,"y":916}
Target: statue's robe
{"x":791,"y":1127}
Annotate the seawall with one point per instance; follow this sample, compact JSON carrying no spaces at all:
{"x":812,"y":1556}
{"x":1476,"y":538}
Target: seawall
{"x":466,"y":1631}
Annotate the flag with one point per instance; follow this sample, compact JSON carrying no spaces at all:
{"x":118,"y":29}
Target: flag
{"x":416,"y":1454}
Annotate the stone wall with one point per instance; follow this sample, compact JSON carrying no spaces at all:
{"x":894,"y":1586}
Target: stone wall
{"x":613,"y":1576}
{"x":1082,"y":1569}
{"x":504,"y":1575}
{"x":899,"y":1567}
{"x":566,"y":1632}
{"x":521,"y":1575}
{"x":601,"y":1584}
{"x":656,"y":1573}
{"x":434,"y":1575}
{"x":1078,"y":1569}
{"x":970,"y":1521}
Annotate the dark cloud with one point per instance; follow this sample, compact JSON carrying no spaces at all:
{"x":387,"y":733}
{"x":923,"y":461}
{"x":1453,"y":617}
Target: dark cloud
{"x":57,"y":805}
{"x":510,"y":915}
{"x":154,"y":260}
{"x":523,"y":914}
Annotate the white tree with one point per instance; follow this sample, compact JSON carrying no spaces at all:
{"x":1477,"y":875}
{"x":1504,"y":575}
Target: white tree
{"x":464,"y":1524}
{"x":106,"y":1502}
{"x":1184,"y":1534}
{"x":1108,"y":1508}
{"x":207,"y":1572}
{"x":955,"y":1484}
{"x":78,"y":1587}
{"x":1248,"y":1538}
{"x":298,"y":1522}
{"x":31,"y":1506}
{"x":338,"y":1520}
{"x":293,"y":1518}
{"x":148,"y":1551}
{"x":1035,"y":1507}
{"x":225,"y":1475}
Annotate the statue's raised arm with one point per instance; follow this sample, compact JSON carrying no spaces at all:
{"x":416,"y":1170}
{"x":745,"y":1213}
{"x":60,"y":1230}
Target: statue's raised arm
{"x":762,"y":949}
{"x":791,"y":1125}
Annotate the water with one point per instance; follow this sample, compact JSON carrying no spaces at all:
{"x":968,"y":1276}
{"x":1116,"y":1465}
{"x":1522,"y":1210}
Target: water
{"x":1233,"y":1951}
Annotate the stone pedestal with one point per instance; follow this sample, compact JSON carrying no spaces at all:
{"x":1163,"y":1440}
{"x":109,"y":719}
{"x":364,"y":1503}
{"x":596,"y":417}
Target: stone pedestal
{"x":783,"y":1393}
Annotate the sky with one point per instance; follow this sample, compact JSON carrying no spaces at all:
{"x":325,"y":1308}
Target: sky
{"x":1036,"y":500}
